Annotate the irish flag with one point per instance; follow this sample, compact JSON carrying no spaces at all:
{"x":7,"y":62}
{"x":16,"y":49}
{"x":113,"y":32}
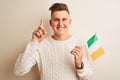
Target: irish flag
{"x":94,"y":48}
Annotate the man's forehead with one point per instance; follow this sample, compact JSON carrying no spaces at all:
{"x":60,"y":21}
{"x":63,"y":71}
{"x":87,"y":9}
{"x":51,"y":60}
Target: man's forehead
{"x":60,"y":14}
{"x":63,"y":12}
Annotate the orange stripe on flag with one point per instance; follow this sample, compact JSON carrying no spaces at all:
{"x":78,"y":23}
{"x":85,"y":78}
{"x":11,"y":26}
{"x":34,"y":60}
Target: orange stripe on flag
{"x":97,"y":53}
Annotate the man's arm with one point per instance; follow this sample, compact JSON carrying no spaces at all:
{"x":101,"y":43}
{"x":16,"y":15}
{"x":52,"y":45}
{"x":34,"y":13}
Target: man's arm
{"x":83,"y":69}
{"x":27,"y":59}
{"x":85,"y":73}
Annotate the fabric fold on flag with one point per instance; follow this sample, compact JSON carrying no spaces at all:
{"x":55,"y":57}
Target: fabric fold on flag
{"x":94,"y":48}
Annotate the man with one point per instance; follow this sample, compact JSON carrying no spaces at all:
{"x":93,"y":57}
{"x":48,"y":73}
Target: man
{"x":59,"y":56}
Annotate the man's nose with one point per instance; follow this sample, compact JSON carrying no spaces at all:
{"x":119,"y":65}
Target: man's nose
{"x":60,"y":22}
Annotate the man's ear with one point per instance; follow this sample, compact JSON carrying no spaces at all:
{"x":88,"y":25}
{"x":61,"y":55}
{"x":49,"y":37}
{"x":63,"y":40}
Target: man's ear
{"x":70,"y":21}
{"x":50,"y":22}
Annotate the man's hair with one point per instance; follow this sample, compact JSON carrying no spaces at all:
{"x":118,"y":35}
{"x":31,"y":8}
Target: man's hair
{"x":59,"y":7}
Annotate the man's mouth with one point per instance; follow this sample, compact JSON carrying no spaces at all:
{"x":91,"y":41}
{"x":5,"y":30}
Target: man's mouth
{"x":60,"y":28}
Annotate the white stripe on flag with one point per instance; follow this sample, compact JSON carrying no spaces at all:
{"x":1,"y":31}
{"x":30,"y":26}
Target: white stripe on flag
{"x":94,"y":47}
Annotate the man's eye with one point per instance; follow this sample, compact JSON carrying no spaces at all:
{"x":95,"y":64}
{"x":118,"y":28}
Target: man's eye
{"x":64,"y":19}
{"x":56,"y":20}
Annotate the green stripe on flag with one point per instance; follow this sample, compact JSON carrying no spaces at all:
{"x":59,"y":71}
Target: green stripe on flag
{"x":92,"y":40}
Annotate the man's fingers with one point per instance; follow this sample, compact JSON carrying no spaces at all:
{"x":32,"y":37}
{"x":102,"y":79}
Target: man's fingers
{"x":41,"y":27}
{"x":79,"y":47}
{"x":36,"y":33}
{"x":40,"y":32}
{"x":41,"y":24}
{"x":77,"y":51}
{"x":44,"y":32}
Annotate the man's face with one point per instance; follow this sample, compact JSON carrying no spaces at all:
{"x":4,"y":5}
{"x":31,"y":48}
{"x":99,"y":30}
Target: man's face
{"x":60,"y":22}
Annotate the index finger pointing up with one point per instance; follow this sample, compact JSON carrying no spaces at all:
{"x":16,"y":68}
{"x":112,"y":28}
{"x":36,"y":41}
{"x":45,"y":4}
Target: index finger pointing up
{"x":41,"y":24}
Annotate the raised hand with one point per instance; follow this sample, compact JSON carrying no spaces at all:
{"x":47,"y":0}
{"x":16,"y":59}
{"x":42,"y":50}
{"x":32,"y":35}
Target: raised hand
{"x":39,"y":33}
{"x":78,"y":54}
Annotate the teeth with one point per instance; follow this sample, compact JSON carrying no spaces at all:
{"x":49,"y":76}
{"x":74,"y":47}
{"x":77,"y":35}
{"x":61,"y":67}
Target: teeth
{"x":60,"y":28}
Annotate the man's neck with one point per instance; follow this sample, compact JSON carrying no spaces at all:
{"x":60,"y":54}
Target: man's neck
{"x":60,"y":38}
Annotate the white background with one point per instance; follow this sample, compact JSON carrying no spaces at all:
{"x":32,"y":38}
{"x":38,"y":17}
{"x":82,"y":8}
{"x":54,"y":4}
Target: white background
{"x":19,"y":18}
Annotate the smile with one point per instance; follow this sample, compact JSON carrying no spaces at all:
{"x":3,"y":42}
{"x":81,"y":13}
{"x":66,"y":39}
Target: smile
{"x":61,"y":28}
